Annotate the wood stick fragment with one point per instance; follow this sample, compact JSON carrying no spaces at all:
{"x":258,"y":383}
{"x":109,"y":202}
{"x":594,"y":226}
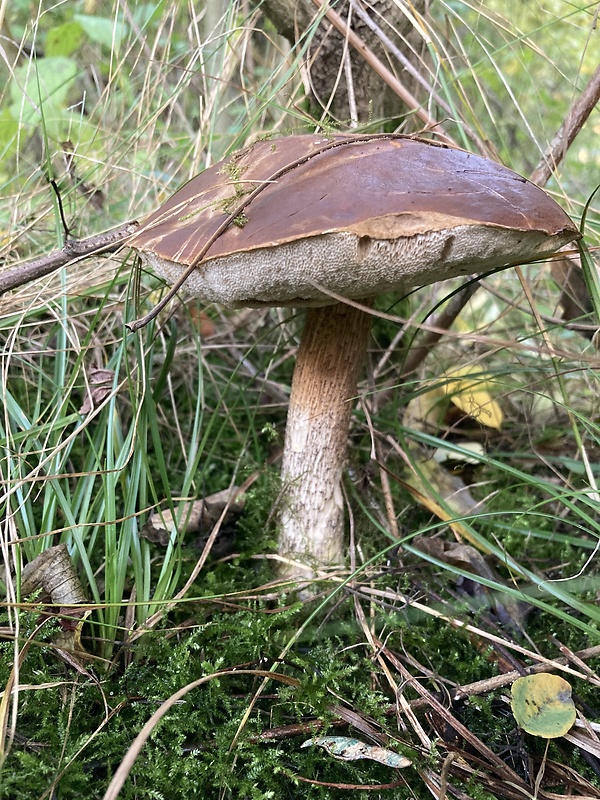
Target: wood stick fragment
{"x":565,"y":135}
{"x":72,"y":250}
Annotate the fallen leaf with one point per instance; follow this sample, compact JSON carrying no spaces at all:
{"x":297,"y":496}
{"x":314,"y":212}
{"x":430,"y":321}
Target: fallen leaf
{"x":198,"y":518}
{"x":100,"y":386}
{"x":452,"y":458}
{"x":460,"y":555}
{"x":542,"y":705}
{"x":54,"y":573}
{"x":510,"y":611}
{"x":200,"y":319}
{"x":432,"y":481}
{"x":464,"y":390}
{"x":347,"y":749}
{"x":468,"y":390}
{"x":426,"y":411}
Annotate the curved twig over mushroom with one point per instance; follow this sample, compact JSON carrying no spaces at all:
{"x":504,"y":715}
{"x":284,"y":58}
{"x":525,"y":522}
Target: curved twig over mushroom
{"x":354,"y":216}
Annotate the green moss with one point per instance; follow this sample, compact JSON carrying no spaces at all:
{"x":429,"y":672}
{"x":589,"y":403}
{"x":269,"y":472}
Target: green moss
{"x":64,"y":740}
{"x":190,"y":748}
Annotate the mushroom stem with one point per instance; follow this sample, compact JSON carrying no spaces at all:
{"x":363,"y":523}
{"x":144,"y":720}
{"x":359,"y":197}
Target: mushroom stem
{"x":325,"y":380}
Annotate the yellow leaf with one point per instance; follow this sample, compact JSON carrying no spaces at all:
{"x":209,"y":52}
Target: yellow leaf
{"x":425,"y":412}
{"x":542,"y":705}
{"x":468,"y":391}
{"x":431,"y":477}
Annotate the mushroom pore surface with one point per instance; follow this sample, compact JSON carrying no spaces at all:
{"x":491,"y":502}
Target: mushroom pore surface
{"x":301,"y":273}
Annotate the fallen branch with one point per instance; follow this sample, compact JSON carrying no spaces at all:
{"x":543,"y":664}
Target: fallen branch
{"x":564,"y":137}
{"x":72,"y":250}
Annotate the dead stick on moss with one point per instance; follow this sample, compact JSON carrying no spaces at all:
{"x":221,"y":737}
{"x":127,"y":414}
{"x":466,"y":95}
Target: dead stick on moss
{"x":506,"y":678}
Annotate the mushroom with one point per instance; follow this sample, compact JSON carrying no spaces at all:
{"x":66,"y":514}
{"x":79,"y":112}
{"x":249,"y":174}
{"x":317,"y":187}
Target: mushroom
{"x":307,"y":220}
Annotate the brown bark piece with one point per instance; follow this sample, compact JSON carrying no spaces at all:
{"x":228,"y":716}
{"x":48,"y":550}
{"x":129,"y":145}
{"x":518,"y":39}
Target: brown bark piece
{"x":327,"y":72}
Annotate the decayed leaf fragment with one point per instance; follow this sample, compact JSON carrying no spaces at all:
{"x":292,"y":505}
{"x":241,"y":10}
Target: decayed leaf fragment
{"x":430,"y":482}
{"x":510,"y":611}
{"x":542,"y":705}
{"x":348,"y":749}
{"x":198,"y":517}
{"x":100,"y":386}
{"x":53,"y":572}
{"x":466,"y":389}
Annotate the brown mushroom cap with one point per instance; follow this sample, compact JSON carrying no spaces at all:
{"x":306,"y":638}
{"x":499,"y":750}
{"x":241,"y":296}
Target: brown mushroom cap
{"x":369,"y":215}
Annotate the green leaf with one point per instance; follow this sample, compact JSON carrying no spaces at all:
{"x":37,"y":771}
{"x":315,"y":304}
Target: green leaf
{"x":146,"y":13}
{"x":106,"y":32}
{"x":542,"y":705}
{"x":64,"y":39}
{"x":41,"y":86}
{"x":9,"y":128}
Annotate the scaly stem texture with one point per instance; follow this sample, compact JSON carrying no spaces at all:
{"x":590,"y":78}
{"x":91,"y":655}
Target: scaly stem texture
{"x":329,"y":359}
